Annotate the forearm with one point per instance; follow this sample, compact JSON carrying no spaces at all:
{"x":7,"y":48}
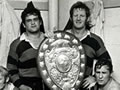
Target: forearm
{"x":13,"y":71}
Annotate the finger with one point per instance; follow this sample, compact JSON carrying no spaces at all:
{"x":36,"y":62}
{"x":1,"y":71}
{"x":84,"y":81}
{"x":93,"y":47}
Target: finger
{"x":91,"y":85}
{"x":49,"y":34}
{"x":86,"y":79}
{"x":86,"y":86}
{"x":84,"y":83}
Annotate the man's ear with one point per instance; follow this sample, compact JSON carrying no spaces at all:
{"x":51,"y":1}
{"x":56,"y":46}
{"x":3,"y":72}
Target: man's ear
{"x":70,"y":19}
{"x":88,"y":19}
{"x":23,"y":25}
{"x":40,"y":23}
{"x":111,"y":74}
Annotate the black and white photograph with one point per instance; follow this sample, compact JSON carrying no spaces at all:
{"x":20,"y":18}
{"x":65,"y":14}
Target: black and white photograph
{"x":59,"y":44}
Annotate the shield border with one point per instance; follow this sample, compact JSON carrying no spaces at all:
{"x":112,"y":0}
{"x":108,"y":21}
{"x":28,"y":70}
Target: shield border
{"x":41,"y":63}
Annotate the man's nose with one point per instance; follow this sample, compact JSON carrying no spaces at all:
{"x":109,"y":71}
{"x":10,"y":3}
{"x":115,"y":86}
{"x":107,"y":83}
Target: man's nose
{"x":100,"y":75}
{"x":78,"y":18}
{"x":32,"y":22}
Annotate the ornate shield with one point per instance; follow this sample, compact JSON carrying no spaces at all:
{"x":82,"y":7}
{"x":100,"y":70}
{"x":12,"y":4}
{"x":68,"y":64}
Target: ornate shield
{"x":61,"y":61}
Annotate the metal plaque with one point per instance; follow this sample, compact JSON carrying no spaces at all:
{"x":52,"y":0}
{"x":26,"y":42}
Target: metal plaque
{"x":61,"y":61}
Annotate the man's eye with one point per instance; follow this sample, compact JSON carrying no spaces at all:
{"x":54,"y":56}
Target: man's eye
{"x":82,"y":15}
{"x":104,"y":72}
{"x":97,"y":72}
{"x":28,"y":20}
{"x":75,"y":15}
{"x":36,"y":19}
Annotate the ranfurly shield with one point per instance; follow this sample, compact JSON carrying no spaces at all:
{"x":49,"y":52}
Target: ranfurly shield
{"x":61,"y":61}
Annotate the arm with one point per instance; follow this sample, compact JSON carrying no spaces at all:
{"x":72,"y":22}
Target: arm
{"x":102,"y":51}
{"x":12,"y":63}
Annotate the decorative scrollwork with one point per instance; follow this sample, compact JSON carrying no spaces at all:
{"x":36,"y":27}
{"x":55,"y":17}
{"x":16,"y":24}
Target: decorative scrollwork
{"x":61,"y":61}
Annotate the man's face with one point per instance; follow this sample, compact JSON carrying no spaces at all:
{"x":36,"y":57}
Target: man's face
{"x":32,"y":23}
{"x":79,"y":18}
{"x":102,"y":75}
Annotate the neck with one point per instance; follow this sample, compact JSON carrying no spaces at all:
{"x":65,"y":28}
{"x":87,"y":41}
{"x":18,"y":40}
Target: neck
{"x":35,"y":39}
{"x":79,"y":33}
{"x":33,"y":35}
{"x":104,"y":87}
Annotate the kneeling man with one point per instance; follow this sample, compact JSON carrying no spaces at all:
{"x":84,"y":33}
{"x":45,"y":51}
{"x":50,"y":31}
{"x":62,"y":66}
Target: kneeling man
{"x":103,"y":71}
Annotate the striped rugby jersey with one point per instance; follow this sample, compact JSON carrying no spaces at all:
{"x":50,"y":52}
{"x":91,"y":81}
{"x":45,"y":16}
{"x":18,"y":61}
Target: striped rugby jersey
{"x":94,"y":49}
{"x":22,"y":60}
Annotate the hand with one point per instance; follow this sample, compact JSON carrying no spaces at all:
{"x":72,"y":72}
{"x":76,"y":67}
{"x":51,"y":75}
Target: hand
{"x":50,"y":33}
{"x":24,"y":87}
{"x":89,"y":82}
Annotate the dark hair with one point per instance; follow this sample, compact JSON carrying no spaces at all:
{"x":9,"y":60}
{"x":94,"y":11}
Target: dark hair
{"x":103,"y":62}
{"x":75,"y":6}
{"x":32,"y":11}
{"x":79,"y":5}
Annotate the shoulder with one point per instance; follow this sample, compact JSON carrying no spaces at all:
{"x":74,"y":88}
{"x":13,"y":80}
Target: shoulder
{"x":115,"y":88}
{"x":16,"y":40}
{"x":114,"y":85}
{"x":15,"y":43}
{"x":96,"y":38}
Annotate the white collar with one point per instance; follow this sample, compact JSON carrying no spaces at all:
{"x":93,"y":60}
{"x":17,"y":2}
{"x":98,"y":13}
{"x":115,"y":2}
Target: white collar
{"x":24,"y":37}
{"x":88,"y":34}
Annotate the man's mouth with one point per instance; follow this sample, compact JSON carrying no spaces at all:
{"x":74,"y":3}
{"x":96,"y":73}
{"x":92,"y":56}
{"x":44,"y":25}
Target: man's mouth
{"x":33,"y":26}
{"x":100,"y":80}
